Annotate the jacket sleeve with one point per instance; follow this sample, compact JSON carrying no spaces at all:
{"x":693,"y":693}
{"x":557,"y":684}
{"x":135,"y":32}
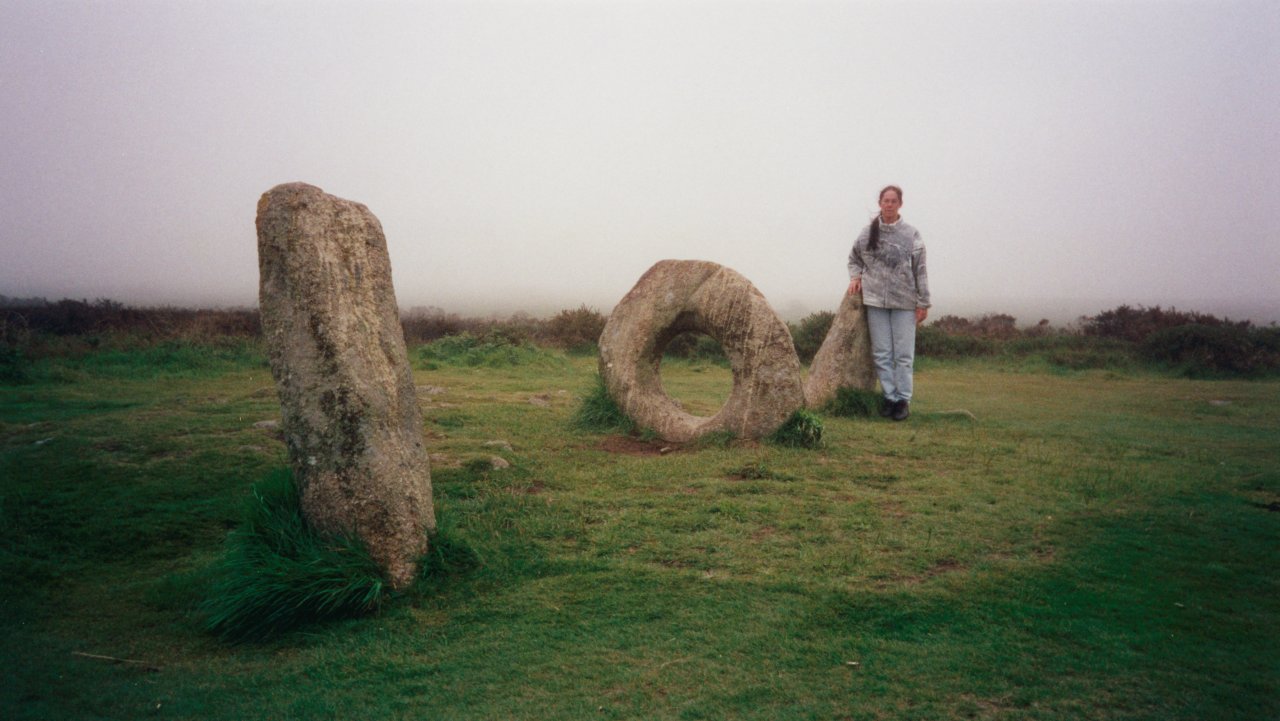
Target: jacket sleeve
{"x":856,"y":266}
{"x":920,"y":270}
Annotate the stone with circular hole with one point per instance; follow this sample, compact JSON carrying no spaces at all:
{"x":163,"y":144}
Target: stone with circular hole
{"x":678,"y":296}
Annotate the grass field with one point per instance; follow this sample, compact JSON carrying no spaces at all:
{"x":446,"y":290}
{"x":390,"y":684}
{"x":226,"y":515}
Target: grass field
{"x":1095,"y":545}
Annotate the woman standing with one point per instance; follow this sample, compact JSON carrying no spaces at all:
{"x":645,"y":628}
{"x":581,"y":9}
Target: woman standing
{"x":887,"y":266}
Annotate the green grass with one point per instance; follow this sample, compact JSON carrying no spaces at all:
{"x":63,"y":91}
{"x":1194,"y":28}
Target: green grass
{"x":598,"y":412}
{"x":854,"y":403}
{"x":491,"y":350}
{"x":1097,"y":544}
{"x":278,"y":574}
{"x":802,"y":430}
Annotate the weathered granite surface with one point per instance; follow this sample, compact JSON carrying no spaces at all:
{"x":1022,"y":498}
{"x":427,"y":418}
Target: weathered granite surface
{"x":844,"y":360}
{"x":350,"y":414}
{"x":675,"y":296}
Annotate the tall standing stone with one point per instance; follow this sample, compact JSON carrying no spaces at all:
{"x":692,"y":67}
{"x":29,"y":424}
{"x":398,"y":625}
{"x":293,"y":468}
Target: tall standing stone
{"x":350,"y":413}
{"x":844,"y":360}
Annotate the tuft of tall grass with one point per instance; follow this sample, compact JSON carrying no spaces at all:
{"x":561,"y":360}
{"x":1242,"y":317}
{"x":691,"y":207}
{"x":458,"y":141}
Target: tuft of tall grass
{"x":278,"y":574}
{"x":599,"y":413}
{"x":802,"y":430}
{"x":853,"y":403}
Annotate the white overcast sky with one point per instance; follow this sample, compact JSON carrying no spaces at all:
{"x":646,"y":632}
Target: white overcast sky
{"x":1059,"y":158}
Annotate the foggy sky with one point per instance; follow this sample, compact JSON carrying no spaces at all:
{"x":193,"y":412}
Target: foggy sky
{"x":1059,"y":158}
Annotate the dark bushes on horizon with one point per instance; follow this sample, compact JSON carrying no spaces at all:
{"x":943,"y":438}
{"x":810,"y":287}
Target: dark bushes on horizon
{"x":102,"y":316}
{"x":1204,"y":350}
{"x":32,"y":328}
{"x":1194,"y":344}
{"x":992,"y":326}
{"x":934,"y":342}
{"x":573,"y":330}
{"x":1137,"y":323}
{"x":577,"y":330}
{"x":1186,"y":342}
{"x":808,"y":334}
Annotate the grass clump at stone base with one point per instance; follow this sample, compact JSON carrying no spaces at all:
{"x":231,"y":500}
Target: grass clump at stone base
{"x":853,"y":403}
{"x":802,"y":430}
{"x":279,"y":574}
{"x":599,"y":413}
{"x":494,"y":349}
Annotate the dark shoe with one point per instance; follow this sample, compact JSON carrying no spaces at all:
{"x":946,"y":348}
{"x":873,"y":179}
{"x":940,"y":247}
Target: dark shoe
{"x":886,"y":407}
{"x":901,"y":411}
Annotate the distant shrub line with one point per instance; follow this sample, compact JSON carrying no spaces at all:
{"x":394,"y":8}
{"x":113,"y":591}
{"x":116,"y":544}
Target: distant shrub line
{"x":1187,"y":343}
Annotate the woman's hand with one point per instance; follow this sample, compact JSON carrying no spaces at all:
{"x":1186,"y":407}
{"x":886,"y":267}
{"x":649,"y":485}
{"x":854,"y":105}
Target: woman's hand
{"x":855,"y":286}
{"x":921,"y":314}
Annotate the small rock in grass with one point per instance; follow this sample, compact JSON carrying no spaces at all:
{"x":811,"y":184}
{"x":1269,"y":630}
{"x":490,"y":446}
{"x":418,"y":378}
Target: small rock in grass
{"x":267,"y":425}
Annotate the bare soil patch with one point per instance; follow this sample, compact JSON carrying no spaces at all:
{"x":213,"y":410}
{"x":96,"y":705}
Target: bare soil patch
{"x":629,"y":446}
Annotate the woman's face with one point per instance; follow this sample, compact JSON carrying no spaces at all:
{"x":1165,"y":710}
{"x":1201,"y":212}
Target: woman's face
{"x":890,"y":203}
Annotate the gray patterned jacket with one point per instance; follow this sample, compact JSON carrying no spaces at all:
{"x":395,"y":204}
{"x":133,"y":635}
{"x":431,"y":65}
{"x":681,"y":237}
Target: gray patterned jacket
{"x":893,"y":275}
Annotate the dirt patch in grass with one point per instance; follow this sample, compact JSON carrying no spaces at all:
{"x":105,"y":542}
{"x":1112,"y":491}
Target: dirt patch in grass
{"x":893,"y":509}
{"x":531,"y":489}
{"x":629,"y":446}
{"x":940,"y":567}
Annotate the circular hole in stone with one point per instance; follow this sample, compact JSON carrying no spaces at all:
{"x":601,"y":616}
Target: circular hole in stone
{"x":695,"y":373}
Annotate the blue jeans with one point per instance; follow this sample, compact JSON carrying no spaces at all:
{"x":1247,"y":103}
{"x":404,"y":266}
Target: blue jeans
{"x":893,"y":348}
